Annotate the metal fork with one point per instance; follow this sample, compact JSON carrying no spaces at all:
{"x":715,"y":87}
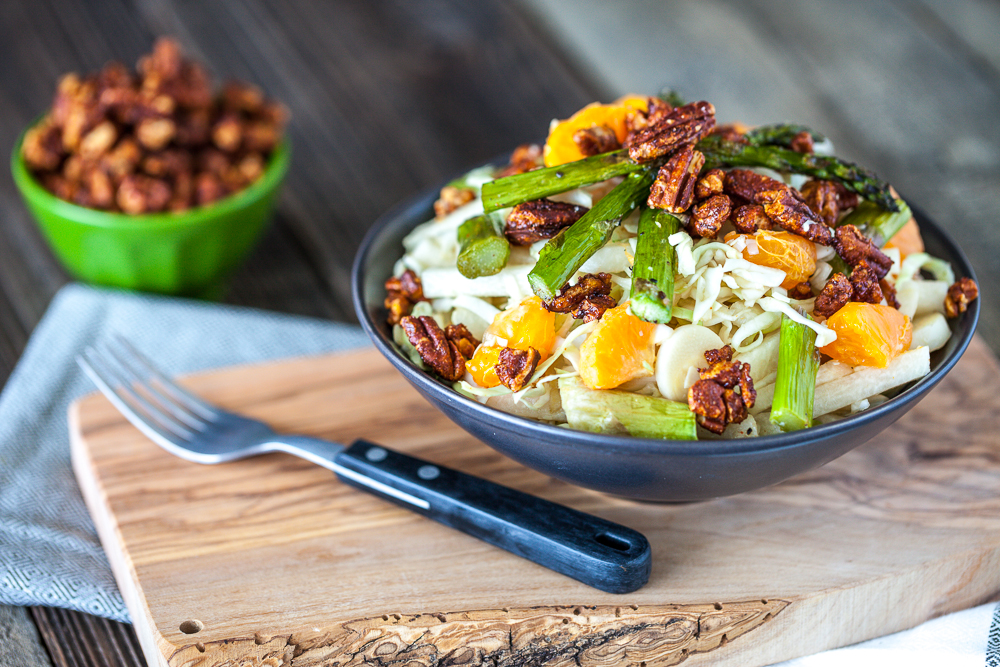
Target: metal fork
{"x":597,"y":552}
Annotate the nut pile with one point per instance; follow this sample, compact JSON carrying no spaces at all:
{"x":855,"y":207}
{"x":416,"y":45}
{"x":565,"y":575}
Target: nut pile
{"x":156,"y":140}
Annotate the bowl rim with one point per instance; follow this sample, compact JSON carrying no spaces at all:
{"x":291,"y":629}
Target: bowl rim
{"x":33,"y":191}
{"x":602,"y":443}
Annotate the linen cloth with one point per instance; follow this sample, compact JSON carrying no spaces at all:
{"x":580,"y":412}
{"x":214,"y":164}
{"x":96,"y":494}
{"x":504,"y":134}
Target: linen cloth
{"x":49,"y":550}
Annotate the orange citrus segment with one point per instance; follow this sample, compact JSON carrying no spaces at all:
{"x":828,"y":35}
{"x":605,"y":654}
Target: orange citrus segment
{"x":560,"y":147}
{"x":528,"y":324}
{"x":482,"y":366}
{"x":907,"y":239}
{"x":868,"y":335}
{"x":618,"y":350}
{"x":791,"y":253}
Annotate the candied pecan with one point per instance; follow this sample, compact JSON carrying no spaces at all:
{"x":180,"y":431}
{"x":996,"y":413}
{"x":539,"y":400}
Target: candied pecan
{"x":238,"y":96}
{"x":587,"y":299}
{"x":42,"y":147}
{"x":731,"y":132}
{"x":823,"y":199}
{"x":208,"y":188}
{"x":596,"y":140}
{"x":540,"y":219}
{"x":864,"y":283}
{"x":801,"y":291}
{"x":845,"y":198}
{"x":749,"y":218}
{"x":451,"y":199}
{"x":714,"y":397}
{"x":227,"y":133}
{"x":463,"y":339}
{"x":802,"y":142}
{"x":834,"y":295}
{"x":261,"y":135}
{"x":98,"y":140}
{"x":959,"y":296}
{"x":889,"y":293}
{"x":402,"y":292}
{"x":793,"y":215}
{"x":855,"y":248}
{"x":100,"y":189}
{"x":123,"y":158}
{"x":709,"y":184}
{"x":673,"y":189}
{"x":683,"y":125}
{"x":749,"y":185}
{"x":138,"y":193}
{"x":656,"y":109}
{"x":708,"y":217}
{"x":524,"y":158}
{"x":434,"y":347}
{"x":515,"y":367}
{"x":155,"y":133}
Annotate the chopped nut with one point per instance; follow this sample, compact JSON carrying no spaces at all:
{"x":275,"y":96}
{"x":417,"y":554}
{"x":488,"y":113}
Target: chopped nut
{"x":402,"y":292}
{"x":714,"y":398}
{"x":515,"y":367}
{"x":681,"y":126}
{"x":587,"y":299}
{"x":822,"y":197}
{"x":596,"y":140}
{"x":802,"y":142}
{"x":673,"y":189}
{"x":451,"y":199}
{"x":434,"y":347}
{"x":834,"y":295}
{"x":750,"y":218}
{"x":463,"y":339}
{"x":709,"y":184}
{"x":708,"y":217}
{"x":524,"y":158}
{"x":801,"y":291}
{"x":854,"y":248}
{"x":540,"y":219}
{"x":959,"y":296}
{"x":865,"y":284}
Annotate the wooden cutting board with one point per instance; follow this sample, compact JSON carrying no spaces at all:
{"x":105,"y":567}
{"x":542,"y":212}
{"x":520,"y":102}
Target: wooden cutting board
{"x":271,"y":561}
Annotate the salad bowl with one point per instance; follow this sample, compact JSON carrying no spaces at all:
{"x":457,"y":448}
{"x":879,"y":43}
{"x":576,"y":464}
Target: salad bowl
{"x":642,"y":468}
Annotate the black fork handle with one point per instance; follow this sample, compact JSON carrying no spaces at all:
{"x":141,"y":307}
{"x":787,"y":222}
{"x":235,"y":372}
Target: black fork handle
{"x":600,"y":553}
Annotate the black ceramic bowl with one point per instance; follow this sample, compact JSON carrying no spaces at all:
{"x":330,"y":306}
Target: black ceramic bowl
{"x":641,"y":468}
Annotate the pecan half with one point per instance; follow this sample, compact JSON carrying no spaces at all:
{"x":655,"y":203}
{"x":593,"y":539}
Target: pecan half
{"x":823,"y":199}
{"x":451,"y":199}
{"x":434,"y":347}
{"x":781,"y":204}
{"x":596,"y":140}
{"x":673,"y":189}
{"x":959,"y":296}
{"x":834,"y":295}
{"x":749,"y":218}
{"x":515,"y":367}
{"x":801,"y":291}
{"x":656,"y":110}
{"x":723,"y":393}
{"x":802,"y":142}
{"x":708,"y":217}
{"x":402,"y":293}
{"x":683,"y":125}
{"x":462,"y":338}
{"x":524,"y":158}
{"x":864,"y":283}
{"x":709,"y":184}
{"x":540,"y":219}
{"x":854,"y":248}
{"x":587,"y":299}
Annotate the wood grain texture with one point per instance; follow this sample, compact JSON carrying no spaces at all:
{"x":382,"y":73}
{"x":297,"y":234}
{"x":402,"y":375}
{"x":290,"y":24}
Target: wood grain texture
{"x":270,"y":559}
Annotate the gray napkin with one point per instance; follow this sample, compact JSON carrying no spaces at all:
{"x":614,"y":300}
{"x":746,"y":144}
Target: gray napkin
{"x":49,"y":551}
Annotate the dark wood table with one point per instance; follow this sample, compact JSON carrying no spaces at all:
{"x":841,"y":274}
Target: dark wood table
{"x":390,"y":98}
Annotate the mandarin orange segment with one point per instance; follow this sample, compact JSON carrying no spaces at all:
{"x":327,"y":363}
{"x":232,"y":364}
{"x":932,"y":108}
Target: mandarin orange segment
{"x":868,"y":335}
{"x":482,"y":366}
{"x":618,"y":350}
{"x":791,"y":253}
{"x":528,"y":324}
{"x":560,"y":147}
{"x":907,"y":239}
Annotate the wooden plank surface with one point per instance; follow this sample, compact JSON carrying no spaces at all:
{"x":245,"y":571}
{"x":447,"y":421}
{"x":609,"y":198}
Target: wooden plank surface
{"x":271,"y":557}
{"x":389,"y":98}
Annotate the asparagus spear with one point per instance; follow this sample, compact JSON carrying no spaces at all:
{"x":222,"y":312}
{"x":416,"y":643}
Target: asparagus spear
{"x":483,"y":249}
{"x":722,"y":153}
{"x":566,"y":252}
{"x":622,"y":412}
{"x":652,"y":293}
{"x":795,"y":387}
{"x":539,"y":183}
{"x":778,"y":135}
{"x":876,"y":223}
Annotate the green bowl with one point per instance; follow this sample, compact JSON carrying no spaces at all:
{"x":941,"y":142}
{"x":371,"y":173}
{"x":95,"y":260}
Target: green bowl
{"x":189,"y":253}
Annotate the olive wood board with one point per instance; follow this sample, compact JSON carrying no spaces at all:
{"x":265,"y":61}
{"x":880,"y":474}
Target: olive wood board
{"x":272,"y":561}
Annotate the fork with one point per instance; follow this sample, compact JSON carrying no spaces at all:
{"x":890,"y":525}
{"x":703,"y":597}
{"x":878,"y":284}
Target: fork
{"x":597,"y":552}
